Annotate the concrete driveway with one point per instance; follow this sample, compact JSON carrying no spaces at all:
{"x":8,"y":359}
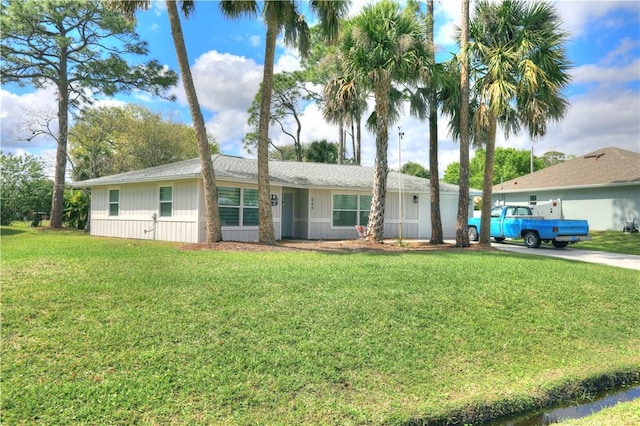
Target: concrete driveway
{"x":612,"y":259}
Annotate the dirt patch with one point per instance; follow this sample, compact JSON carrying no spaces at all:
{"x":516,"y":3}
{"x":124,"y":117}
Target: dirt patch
{"x":330,"y":246}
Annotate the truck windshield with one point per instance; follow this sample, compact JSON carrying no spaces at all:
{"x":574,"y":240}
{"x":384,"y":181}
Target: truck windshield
{"x":495,"y":212}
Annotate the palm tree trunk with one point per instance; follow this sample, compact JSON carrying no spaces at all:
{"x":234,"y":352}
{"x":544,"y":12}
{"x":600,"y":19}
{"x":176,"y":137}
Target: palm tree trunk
{"x":434,"y":179}
{"x":358,"y":139}
{"x":487,"y":184}
{"x":375,"y":227}
{"x":265,"y":229}
{"x":462,"y":236}
{"x":212,"y":215}
{"x":341,"y":142}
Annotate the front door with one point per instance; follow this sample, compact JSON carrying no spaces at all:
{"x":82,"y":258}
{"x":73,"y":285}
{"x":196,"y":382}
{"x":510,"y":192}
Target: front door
{"x":287,"y":215}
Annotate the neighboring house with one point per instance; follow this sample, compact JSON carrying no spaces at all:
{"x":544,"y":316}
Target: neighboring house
{"x":310,"y":201}
{"x":602,"y":187}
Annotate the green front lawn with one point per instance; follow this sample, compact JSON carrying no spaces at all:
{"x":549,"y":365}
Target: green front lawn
{"x":612,"y":241}
{"x":99,"y":330}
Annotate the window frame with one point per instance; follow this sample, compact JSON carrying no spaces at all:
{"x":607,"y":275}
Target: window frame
{"x":358,"y":210}
{"x":242,"y":208}
{"x":113,"y":203}
{"x":162,"y":202}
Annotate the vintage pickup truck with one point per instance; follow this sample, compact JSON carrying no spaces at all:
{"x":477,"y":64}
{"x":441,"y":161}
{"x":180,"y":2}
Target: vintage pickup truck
{"x":518,"y":222}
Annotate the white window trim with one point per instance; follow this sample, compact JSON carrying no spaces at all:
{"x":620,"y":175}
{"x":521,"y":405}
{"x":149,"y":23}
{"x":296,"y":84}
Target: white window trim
{"x":109,"y":203}
{"x":173,"y":200}
{"x":358,"y":195}
{"x":240,"y":208}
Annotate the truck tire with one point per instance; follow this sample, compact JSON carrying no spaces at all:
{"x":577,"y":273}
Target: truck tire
{"x":498,"y":239}
{"x":560,"y":244}
{"x":532,"y":239}
{"x":473,"y":233}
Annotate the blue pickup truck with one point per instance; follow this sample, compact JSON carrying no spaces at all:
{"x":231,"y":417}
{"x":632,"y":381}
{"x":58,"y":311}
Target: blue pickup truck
{"x":519,"y":222}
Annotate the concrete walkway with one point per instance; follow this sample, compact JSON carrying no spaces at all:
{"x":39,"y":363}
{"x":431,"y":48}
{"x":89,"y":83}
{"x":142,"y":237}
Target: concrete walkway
{"x":628,"y":261}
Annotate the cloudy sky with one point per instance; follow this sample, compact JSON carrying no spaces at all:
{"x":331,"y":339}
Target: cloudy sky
{"x":226,"y":59}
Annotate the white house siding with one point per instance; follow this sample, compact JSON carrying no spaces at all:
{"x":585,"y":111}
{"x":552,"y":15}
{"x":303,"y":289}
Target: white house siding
{"x":449,"y":214}
{"x":605,"y":208}
{"x":138,"y":202}
{"x":251,"y":233}
{"x":424,"y":226}
{"x":410,"y":215}
{"x":321,"y":214}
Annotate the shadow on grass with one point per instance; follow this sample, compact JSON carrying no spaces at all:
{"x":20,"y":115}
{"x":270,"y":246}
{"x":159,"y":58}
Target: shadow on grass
{"x":10,"y":231}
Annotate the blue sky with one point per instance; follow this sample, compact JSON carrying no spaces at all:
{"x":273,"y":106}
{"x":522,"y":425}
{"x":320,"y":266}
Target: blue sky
{"x":226,"y":59}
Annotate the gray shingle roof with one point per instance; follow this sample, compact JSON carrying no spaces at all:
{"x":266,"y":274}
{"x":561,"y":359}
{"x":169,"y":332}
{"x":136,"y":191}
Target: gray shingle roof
{"x":605,"y":167}
{"x":236,"y":169}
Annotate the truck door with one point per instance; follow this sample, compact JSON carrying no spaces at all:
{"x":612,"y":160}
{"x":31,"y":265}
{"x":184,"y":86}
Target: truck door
{"x":496,"y":222}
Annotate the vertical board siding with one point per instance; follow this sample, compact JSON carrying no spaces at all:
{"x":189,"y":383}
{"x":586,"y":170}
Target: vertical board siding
{"x":138,"y":202}
{"x":312,"y":216}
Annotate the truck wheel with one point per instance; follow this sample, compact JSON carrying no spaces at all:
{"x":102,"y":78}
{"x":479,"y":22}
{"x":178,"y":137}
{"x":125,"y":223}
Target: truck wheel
{"x":532,"y":239}
{"x":560,"y":244}
{"x":498,"y":239}
{"x":473,"y":234}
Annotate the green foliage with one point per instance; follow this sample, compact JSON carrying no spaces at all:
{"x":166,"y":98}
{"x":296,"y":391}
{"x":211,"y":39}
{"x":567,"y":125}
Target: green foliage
{"x":38,"y":35}
{"x":322,"y":152}
{"x":298,"y":337}
{"x":76,"y":208}
{"x":110,"y":140}
{"x":510,"y":163}
{"x":415,"y":169}
{"x":24,"y":189}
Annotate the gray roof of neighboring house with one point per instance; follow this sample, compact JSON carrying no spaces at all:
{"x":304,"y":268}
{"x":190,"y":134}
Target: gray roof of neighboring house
{"x":605,"y":167}
{"x":285,"y":173}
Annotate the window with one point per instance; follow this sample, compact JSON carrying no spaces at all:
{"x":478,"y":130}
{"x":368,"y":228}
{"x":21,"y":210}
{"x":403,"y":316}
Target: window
{"x":351,"y":210}
{"x":533,"y":200}
{"x":238,"y":206}
{"x":114,"y":202}
{"x":166,"y":201}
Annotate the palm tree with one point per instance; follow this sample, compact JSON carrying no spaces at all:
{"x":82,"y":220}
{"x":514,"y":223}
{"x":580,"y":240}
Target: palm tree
{"x":279,"y":16}
{"x":383,"y":45}
{"x":434,"y":179}
{"x":322,"y":152}
{"x":212,"y":215}
{"x":517,"y":49}
{"x":462,"y":237}
{"x":344,"y":103}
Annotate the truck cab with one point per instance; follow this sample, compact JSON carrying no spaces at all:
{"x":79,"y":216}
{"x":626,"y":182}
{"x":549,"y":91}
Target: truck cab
{"x":519,"y":222}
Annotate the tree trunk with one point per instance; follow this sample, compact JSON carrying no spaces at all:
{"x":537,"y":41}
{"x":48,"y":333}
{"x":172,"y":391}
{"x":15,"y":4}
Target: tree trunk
{"x":298,"y":146}
{"x":212,"y":214}
{"x":358,"y":139}
{"x":265,"y":229}
{"x":487,"y":184}
{"x":375,"y":227}
{"x":57,"y":199}
{"x":434,"y":179}
{"x":353,"y":139}
{"x":341,"y":142}
{"x":462,"y":236}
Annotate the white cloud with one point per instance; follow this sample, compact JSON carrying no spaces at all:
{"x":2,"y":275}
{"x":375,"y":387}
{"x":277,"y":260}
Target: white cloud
{"x":225,"y":81}
{"x":593,"y":73}
{"x":21,"y":116}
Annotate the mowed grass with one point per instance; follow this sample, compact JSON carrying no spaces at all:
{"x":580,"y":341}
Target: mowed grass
{"x":105,"y":331}
{"x":612,"y":241}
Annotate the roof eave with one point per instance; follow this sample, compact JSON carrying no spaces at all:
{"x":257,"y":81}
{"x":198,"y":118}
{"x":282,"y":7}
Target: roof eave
{"x":557,"y":188}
